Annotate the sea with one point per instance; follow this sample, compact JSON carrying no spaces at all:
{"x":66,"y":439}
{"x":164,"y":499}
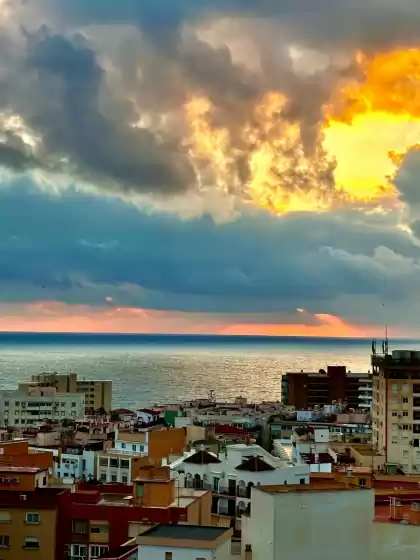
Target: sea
{"x":151,"y":369}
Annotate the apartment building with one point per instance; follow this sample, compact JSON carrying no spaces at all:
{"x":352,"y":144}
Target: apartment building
{"x":31,"y":519}
{"x":396,"y":409}
{"x":231,"y":474}
{"x":33,"y":408}
{"x":186,"y":542}
{"x":102,"y":522}
{"x":98,"y":393}
{"x":309,"y":389}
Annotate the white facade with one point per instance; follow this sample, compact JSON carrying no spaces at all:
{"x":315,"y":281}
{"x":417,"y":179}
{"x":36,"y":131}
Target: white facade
{"x":224,"y":475}
{"x":114,"y":467}
{"x":223,"y":552}
{"x":130,"y":445}
{"x":312,"y":524}
{"x":22,"y":410}
{"x":76,"y":465}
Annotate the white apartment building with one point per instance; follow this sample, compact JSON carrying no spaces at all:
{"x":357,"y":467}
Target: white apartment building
{"x":320,"y":521}
{"x":185,"y":542}
{"x":117,"y":464}
{"x":72,"y":463}
{"x":30,"y":410}
{"x":233,"y":473}
{"x":396,"y":409}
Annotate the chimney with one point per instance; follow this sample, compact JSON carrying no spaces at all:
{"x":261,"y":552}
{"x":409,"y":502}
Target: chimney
{"x":248,"y":552}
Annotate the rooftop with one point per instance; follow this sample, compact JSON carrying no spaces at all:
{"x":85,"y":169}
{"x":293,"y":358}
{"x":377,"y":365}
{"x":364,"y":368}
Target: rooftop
{"x":185,"y":532}
{"x":22,"y":470}
{"x":305,"y":488}
{"x":119,"y":552}
{"x":254,"y":464}
{"x":202,"y":457}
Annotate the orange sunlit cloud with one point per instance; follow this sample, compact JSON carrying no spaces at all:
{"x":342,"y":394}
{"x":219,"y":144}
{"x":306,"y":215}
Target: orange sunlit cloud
{"x":60,"y":317}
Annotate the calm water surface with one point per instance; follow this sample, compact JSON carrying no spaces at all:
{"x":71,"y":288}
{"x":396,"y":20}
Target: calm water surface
{"x":148,"y":370}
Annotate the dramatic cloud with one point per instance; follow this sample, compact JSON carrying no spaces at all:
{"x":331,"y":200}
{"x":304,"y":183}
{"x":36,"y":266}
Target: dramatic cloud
{"x":214,"y":157}
{"x":168,"y":105}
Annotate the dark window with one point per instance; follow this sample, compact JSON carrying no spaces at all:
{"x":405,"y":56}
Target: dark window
{"x":302,"y":481}
{"x":416,"y":414}
{"x":80,"y":527}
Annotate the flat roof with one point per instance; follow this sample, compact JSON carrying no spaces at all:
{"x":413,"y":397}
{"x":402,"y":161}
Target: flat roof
{"x":307,"y":488}
{"x":185,"y":532}
{"x":22,"y":470}
{"x":119,"y":552}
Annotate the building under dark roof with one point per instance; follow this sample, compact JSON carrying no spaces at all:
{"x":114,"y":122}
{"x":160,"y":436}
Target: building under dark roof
{"x":255,"y":464}
{"x":185,"y":532}
{"x":202,"y":457}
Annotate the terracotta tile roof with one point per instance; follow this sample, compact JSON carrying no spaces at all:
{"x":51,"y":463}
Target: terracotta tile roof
{"x":255,"y":464}
{"x":202,"y":458}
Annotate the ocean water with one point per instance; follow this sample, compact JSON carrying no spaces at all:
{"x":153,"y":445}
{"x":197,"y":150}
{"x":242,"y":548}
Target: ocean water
{"x":149,"y":369}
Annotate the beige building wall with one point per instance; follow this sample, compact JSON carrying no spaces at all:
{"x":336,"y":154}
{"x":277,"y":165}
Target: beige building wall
{"x":394,"y":428}
{"x":98,"y":394}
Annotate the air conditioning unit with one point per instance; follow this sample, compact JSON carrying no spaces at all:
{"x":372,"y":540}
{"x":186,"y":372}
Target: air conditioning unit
{"x":23,"y":497}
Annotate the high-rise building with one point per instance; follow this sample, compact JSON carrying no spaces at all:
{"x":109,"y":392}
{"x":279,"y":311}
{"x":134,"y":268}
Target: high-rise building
{"x":98,"y":393}
{"x":308,"y":389}
{"x":396,"y":408}
{"x":28,"y":410}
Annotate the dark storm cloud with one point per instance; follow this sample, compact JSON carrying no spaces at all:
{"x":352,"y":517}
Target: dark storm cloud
{"x":374,"y":24}
{"x":98,"y":249}
{"x":62,"y":105}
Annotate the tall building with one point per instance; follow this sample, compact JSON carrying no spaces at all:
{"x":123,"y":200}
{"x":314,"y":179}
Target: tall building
{"x":32,"y":408}
{"x":98,"y":394}
{"x":396,"y":409}
{"x":308,"y":389}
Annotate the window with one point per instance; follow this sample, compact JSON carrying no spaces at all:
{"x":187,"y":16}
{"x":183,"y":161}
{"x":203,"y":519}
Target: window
{"x":405,"y":387}
{"x":113,"y":463}
{"x":103,"y":461}
{"x":405,"y":413}
{"x":406,"y":426}
{"x":394,"y":388}
{"x":97,"y":550}
{"x":395,"y":414}
{"x":78,"y":552}
{"x":168,"y":555}
{"x":80,"y":527}
{"x":99,"y":529}
{"x":5,"y":517}
{"x":4,"y":541}
{"x":405,"y":400}
{"x":216,"y":481}
{"x":134,"y":447}
{"x":123,"y":446}
{"x":125,"y":464}
{"x":113,"y":478}
{"x":31,"y":542}
{"x":124,"y":480}
{"x":141,"y":448}
{"x":362,"y":481}
{"x":84,"y":464}
{"x":302,"y":481}
{"x":33,"y":517}
{"x":73,"y":404}
{"x":102,"y":478}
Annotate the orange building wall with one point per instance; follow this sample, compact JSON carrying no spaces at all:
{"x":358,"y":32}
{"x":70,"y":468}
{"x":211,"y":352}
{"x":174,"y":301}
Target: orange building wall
{"x":166,"y":442}
{"x":205,"y":509}
{"x":14,"y":448}
{"x":26,"y":482}
{"x":40,"y":460}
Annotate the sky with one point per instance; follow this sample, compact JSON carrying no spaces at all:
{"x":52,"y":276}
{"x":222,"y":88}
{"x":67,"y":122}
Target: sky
{"x":232,"y":167}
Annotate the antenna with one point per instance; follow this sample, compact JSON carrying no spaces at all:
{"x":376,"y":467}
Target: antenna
{"x":386,"y":339}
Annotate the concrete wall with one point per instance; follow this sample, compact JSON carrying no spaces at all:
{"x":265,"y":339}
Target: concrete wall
{"x":393,"y":541}
{"x":158,"y":553}
{"x":311,"y":524}
{"x":328,"y":525}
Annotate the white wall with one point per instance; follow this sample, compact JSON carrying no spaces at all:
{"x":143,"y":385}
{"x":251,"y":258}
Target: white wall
{"x":327,"y":525}
{"x":392,"y":541}
{"x":158,"y":553}
{"x":258,"y":530}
